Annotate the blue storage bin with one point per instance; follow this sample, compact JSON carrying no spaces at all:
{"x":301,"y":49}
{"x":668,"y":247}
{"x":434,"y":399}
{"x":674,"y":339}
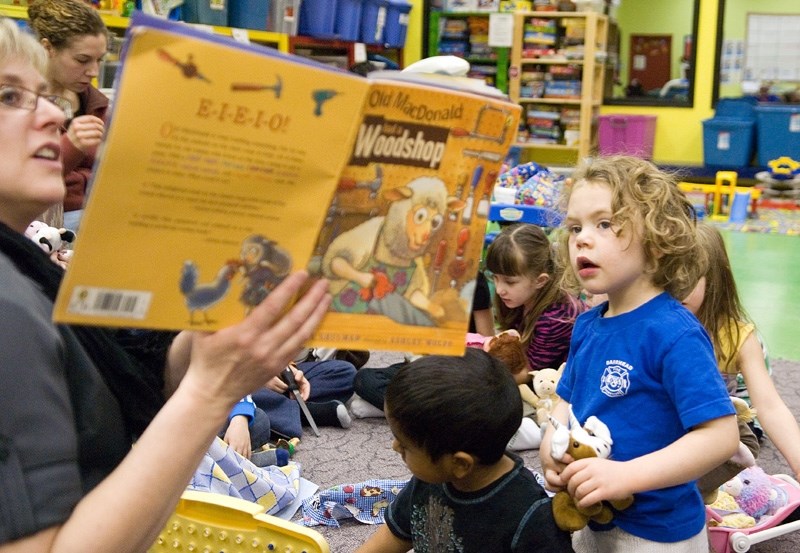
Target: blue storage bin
{"x":397,"y":17}
{"x":208,"y":12}
{"x":778,"y":132}
{"x":373,"y":21}
{"x":248,"y":14}
{"x":348,"y":20}
{"x":317,"y":18}
{"x":737,"y":108}
{"x":728,"y":142}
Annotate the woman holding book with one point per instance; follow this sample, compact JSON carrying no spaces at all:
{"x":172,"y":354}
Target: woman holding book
{"x":73,"y":398}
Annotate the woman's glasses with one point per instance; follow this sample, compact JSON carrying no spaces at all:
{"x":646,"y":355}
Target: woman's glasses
{"x":13,"y":96}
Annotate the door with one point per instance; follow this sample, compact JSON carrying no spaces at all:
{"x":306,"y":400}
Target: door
{"x":650,"y":60}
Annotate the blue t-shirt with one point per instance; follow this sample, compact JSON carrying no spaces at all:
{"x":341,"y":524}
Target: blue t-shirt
{"x":651,"y":376}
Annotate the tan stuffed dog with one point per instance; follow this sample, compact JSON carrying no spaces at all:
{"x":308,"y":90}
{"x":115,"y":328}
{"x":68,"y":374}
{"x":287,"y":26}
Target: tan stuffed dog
{"x":593,"y":439}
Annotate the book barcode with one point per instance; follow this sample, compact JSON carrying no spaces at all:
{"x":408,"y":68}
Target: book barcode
{"x":132,"y":304}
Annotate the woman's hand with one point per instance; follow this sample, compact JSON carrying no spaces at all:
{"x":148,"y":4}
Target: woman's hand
{"x":86,"y":132}
{"x":229,"y":364}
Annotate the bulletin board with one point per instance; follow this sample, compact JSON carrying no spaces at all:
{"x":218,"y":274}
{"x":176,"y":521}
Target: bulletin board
{"x":772,"y":48}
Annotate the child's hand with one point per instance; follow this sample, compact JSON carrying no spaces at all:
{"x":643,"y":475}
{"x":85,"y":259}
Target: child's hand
{"x":238,"y":436}
{"x":552,"y":472}
{"x":593,"y":480}
{"x":277,"y":384}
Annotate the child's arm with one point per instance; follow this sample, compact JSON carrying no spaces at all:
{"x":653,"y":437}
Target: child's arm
{"x":697,"y":452}
{"x":778,"y":422}
{"x":383,"y":541}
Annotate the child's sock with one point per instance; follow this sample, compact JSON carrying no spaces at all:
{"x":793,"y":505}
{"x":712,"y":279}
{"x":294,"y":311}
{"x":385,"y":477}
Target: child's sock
{"x":362,"y":409}
{"x":330,"y":413}
{"x":528,"y":436}
{"x":267,"y":457}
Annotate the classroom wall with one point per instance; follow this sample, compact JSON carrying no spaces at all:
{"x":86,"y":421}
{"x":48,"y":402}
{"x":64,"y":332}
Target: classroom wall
{"x":735,"y":26}
{"x":679,"y":131}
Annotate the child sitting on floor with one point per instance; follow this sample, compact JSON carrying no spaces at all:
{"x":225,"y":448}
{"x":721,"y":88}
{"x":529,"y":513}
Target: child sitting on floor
{"x":466,"y":493}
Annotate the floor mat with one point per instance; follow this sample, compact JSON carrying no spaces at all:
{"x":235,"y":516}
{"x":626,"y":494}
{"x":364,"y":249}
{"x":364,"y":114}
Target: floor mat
{"x":774,"y":221}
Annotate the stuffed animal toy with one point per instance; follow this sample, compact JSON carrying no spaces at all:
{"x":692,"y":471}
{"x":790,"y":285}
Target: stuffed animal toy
{"x":52,"y":240}
{"x":754,"y":492}
{"x":724,"y":511}
{"x":593,"y":439}
{"x":544,"y":388}
{"x":507,"y":347}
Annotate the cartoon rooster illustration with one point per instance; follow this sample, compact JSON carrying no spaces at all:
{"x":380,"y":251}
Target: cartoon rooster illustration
{"x":201,"y":297}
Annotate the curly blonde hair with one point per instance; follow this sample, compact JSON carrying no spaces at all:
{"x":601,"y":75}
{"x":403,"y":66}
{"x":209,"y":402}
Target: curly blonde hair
{"x":15,"y":44}
{"x":62,"y":21}
{"x":645,"y":198}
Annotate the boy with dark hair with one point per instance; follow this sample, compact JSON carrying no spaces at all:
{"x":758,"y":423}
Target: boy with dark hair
{"x":466,"y":493}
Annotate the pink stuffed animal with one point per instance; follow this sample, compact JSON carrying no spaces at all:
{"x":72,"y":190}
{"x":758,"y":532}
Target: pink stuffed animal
{"x":754,"y":492}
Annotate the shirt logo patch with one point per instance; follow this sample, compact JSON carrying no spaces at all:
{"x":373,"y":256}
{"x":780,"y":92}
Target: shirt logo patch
{"x":615,"y":381}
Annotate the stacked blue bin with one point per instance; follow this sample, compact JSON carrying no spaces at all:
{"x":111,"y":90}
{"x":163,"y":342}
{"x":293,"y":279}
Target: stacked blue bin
{"x":778,"y":132}
{"x":317,"y":18}
{"x":348,"y":20}
{"x":397,"y":18}
{"x":373,"y":21}
{"x":729,"y":136}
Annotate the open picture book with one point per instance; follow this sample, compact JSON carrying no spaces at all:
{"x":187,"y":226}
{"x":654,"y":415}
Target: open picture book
{"x":226,"y":166}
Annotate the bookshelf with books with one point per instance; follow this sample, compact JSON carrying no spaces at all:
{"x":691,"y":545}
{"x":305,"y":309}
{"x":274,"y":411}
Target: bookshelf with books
{"x":556,"y":73}
{"x":466,"y":35}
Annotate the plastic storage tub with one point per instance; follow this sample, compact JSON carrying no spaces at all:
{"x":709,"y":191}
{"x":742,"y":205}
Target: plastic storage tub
{"x":627,"y":134}
{"x":348,"y":20}
{"x":397,"y":18}
{"x":373,"y":21}
{"x":208,"y":12}
{"x":317,"y":18}
{"x":728,"y":142}
{"x":248,"y":14}
{"x":778,"y":132}
{"x":284,"y":16}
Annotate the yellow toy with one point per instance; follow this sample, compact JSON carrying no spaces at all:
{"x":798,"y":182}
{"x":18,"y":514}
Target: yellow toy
{"x":724,"y":187}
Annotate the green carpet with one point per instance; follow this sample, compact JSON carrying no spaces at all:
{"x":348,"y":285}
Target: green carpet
{"x":767,"y":221}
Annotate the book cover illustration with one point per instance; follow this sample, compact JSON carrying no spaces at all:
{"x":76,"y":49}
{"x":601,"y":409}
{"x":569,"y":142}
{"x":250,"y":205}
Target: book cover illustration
{"x":403,"y":237}
{"x":227,"y":167}
{"x":217,"y":170}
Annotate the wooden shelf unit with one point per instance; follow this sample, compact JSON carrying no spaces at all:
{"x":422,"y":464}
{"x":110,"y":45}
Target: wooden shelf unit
{"x":344,"y":48}
{"x":441,"y":43}
{"x":589,"y":67}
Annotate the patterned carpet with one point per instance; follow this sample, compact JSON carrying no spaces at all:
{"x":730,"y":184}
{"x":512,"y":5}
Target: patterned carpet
{"x":775,"y":221}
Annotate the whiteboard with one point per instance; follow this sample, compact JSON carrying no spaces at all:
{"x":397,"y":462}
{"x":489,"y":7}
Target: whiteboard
{"x":772,"y":50}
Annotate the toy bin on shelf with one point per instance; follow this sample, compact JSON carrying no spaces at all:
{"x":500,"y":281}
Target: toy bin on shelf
{"x":348,"y":20}
{"x":317,"y":18}
{"x":248,"y":14}
{"x":207,"y":12}
{"x":397,"y":18}
{"x":728,"y":142}
{"x":627,"y":134}
{"x":373,"y":21}
{"x":778,"y":132}
{"x":284,"y":16}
